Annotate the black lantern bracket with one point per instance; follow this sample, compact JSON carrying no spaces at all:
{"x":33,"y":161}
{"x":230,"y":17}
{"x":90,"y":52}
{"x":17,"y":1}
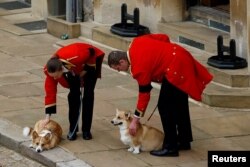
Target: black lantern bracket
{"x":126,"y":29}
{"x":230,"y":61}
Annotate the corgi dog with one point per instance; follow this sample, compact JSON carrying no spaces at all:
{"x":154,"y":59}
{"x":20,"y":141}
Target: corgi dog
{"x":44,"y":138}
{"x":147,"y":138}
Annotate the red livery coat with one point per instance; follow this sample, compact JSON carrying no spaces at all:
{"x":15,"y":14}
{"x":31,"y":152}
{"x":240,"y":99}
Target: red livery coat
{"x":153,"y":57}
{"x":73,"y":57}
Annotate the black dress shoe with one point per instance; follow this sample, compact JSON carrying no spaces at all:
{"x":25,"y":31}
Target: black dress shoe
{"x":165,"y":153}
{"x":184,"y":146}
{"x":86,"y":135}
{"x":71,"y":136}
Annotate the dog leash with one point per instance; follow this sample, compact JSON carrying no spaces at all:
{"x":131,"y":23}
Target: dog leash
{"x":80,"y":109}
{"x":151,"y":113}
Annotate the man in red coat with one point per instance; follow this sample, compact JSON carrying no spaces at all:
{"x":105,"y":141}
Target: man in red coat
{"x":153,"y":58}
{"x":74,"y":66}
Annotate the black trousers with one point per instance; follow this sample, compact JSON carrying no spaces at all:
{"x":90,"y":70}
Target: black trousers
{"x":174,"y":112}
{"x":87,"y":100}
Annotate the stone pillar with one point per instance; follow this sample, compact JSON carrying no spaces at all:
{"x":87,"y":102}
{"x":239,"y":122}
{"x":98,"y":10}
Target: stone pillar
{"x":88,"y":10}
{"x":39,"y":8}
{"x":109,"y":11}
{"x":248,"y":34}
{"x":56,"y":7}
{"x":239,"y":27}
{"x":45,"y":8}
{"x":172,"y":11}
{"x":150,"y":13}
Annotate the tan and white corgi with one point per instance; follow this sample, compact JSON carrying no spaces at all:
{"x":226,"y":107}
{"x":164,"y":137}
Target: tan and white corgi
{"x":147,"y":138}
{"x":44,"y":138}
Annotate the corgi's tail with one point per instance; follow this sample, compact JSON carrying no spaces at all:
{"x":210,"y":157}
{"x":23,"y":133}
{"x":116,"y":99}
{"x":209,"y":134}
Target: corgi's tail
{"x":27,"y":131}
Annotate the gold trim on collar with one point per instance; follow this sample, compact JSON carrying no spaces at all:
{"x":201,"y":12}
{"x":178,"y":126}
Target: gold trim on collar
{"x":67,"y":64}
{"x":71,"y":58}
{"x":128,"y":56}
{"x":50,"y":105}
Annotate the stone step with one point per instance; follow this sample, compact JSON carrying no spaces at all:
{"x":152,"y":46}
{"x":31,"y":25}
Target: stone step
{"x":226,"y":97}
{"x":220,"y":93}
{"x":232,"y":78}
{"x":102,"y":34}
{"x":228,"y":77}
{"x":210,"y":17}
{"x":194,"y":34}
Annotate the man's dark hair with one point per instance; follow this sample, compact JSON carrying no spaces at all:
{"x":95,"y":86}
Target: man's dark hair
{"x":53,"y":65}
{"x":114,"y":57}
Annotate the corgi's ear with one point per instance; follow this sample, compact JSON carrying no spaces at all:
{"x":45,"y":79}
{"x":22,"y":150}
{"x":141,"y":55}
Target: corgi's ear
{"x":34,"y":135}
{"x":117,"y":110}
{"x":127,"y":115}
{"x":47,"y":136}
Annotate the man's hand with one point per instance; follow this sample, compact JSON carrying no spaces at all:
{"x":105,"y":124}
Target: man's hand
{"x":46,"y":120}
{"x":133,"y":126}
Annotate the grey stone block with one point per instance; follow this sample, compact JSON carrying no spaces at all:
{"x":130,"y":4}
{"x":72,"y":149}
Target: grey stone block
{"x":47,"y":157}
{"x":74,"y":163}
{"x":11,"y":135}
{"x":39,"y":157}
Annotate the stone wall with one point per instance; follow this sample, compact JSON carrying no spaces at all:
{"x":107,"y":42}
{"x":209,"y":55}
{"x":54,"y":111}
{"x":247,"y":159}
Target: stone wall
{"x":88,"y":10}
{"x":248,"y":35}
{"x":151,"y":11}
{"x":239,"y":23}
{"x":173,"y":11}
{"x":109,"y":11}
{"x":45,"y":8}
{"x":39,"y":8}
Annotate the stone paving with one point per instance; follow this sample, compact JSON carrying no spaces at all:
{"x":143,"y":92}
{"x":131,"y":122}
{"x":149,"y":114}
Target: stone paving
{"x":10,"y":158}
{"x":21,"y":104}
